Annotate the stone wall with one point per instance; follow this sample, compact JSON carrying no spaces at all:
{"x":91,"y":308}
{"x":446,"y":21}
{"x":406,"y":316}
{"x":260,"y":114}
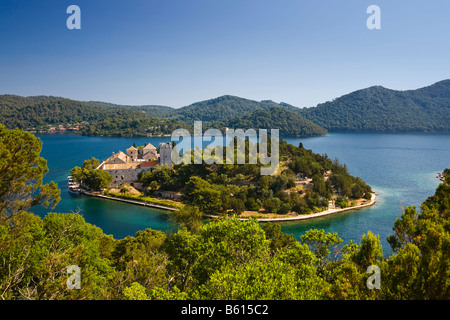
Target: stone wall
{"x":127,"y":176}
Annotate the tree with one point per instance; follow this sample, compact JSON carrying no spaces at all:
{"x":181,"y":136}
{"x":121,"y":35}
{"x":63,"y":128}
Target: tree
{"x":284,"y":208}
{"x":36,"y":252}
{"x":135,"y":292}
{"x":139,"y":259}
{"x":97,"y":179}
{"x":153,"y":185}
{"x":324,"y":245}
{"x":320,"y":186}
{"x":207,"y":200}
{"x":299,"y":204}
{"x":220,"y":243}
{"x":421,"y":241}
{"x":183,"y":251}
{"x":252,"y":205}
{"x":278,"y":239}
{"x":90,"y":176}
{"x":274,"y":280}
{"x":229,"y":242}
{"x":189,"y":217}
{"x":165,"y":177}
{"x":237,"y":205}
{"x":91,"y":164}
{"x":21,"y":173}
{"x":341,"y":202}
{"x":272,"y":204}
{"x":202,"y":194}
{"x":370,"y":250}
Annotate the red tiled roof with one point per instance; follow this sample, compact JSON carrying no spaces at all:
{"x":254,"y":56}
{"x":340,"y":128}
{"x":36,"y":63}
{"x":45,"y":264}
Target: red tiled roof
{"x":149,"y":164}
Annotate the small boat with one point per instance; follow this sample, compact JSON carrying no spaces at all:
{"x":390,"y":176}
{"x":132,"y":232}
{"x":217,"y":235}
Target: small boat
{"x":74,"y":190}
{"x":72,"y":186}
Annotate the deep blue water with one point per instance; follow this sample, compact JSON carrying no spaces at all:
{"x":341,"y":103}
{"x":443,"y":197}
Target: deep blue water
{"x":401,"y":168}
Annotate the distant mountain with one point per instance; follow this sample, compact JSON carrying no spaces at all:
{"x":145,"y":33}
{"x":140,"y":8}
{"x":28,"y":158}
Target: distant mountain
{"x":289,"y":123}
{"x":221,"y":109}
{"x":239,"y":113}
{"x":374,"y":109}
{"x":377,"y":109}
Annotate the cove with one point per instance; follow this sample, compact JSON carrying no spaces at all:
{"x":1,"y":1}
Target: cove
{"x":401,"y":169}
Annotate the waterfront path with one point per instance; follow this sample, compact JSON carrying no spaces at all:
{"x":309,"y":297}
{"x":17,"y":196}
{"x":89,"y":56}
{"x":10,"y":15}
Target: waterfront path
{"x":298,"y":217}
{"x":140,"y":203}
{"x":312,"y":215}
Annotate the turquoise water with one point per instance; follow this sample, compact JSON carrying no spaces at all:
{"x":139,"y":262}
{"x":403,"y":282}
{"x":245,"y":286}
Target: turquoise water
{"x":401,"y":168}
{"x":63,"y":152}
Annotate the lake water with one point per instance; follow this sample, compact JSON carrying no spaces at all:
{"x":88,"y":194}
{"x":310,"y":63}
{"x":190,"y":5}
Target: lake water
{"x":401,"y":168}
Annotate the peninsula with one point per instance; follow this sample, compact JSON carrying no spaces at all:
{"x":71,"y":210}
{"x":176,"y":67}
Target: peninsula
{"x":306,"y":185}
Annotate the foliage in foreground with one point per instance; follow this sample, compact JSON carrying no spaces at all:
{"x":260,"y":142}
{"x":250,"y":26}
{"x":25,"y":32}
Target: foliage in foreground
{"x":222,"y":259}
{"x":225,"y":259}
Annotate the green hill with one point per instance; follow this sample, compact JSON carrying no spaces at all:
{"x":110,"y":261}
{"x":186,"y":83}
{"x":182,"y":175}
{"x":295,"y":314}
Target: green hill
{"x":239,"y":113}
{"x":218,"y":109}
{"x":40,"y":113}
{"x":288,"y":122}
{"x":377,"y":109}
{"x":374,"y":109}
{"x":151,"y":110}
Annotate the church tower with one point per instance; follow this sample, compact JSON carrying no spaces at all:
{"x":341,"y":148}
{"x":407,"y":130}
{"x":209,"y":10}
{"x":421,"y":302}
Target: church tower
{"x":165,"y":154}
{"x":132,"y":152}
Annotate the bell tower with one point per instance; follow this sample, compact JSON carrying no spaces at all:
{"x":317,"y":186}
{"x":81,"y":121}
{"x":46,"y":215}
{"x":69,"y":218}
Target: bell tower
{"x":165,"y":154}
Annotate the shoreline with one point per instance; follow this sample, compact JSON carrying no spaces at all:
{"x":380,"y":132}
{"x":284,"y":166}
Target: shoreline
{"x":285,"y":219}
{"x":140,"y":203}
{"x":311,"y":215}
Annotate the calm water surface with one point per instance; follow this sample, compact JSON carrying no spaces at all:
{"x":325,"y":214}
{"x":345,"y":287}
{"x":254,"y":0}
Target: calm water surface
{"x":401,"y":168}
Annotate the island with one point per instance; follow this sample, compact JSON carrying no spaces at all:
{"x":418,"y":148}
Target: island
{"x":306,"y":185}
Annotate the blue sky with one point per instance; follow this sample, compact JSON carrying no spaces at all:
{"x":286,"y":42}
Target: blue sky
{"x":176,"y":52}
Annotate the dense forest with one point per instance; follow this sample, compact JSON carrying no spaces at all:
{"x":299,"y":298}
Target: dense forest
{"x":41,"y":113}
{"x":223,"y":108}
{"x":154,"y":111}
{"x":99,"y":118}
{"x":289,"y":123}
{"x":377,"y":109}
{"x":222,"y":259}
{"x":233,"y":189}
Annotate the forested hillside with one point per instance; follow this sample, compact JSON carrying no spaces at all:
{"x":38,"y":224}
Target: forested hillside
{"x":100,"y":118}
{"x":151,"y":110}
{"x":377,"y":109}
{"x":41,"y":113}
{"x":289,"y":123}
{"x":219,"y":109}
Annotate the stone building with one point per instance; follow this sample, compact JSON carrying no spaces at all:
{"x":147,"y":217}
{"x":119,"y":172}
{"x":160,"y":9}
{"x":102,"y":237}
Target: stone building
{"x":149,"y":152}
{"x":125,"y":168}
{"x":118,"y":158}
{"x":132,"y":152}
{"x":165,"y":154}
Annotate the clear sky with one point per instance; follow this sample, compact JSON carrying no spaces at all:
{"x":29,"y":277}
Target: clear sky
{"x":176,"y":52}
